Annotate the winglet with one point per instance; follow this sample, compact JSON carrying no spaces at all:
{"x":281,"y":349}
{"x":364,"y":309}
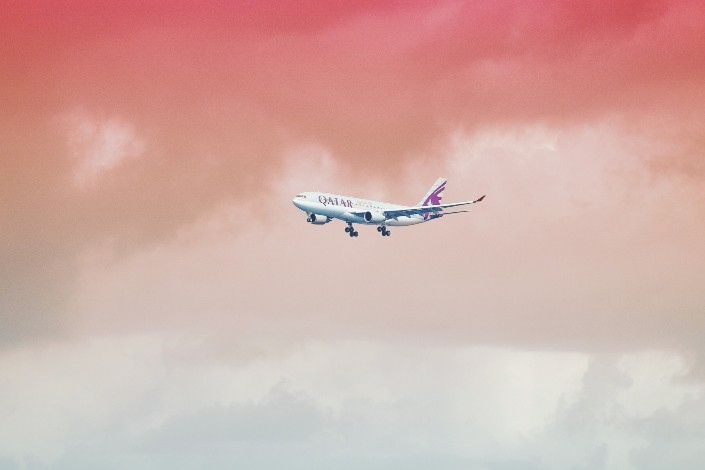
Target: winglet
{"x":478,"y":200}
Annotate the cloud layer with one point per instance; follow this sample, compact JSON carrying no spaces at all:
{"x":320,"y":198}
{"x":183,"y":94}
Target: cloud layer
{"x":149,"y":156}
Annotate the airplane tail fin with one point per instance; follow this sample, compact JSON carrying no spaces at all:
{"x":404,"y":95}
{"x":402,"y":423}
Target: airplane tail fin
{"x":433,"y":197}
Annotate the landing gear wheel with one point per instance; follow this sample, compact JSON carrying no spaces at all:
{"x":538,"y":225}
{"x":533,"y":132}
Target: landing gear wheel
{"x":347,"y":229}
{"x":380,"y":228}
{"x":354,"y":234}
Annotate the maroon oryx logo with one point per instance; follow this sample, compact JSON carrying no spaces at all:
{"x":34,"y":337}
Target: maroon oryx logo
{"x":434,"y":198}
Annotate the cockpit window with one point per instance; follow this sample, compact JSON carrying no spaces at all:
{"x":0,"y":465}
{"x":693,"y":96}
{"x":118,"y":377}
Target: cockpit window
{"x":301,"y":195}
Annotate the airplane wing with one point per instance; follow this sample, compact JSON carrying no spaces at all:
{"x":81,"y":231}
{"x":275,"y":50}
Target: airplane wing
{"x":420,"y":210}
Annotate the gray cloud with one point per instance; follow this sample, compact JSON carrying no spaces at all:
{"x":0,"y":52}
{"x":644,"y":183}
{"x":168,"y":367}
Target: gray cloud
{"x":137,"y":402}
{"x":281,"y":417}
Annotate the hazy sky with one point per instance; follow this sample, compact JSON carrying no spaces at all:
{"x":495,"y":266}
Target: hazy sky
{"x":164,"y":305}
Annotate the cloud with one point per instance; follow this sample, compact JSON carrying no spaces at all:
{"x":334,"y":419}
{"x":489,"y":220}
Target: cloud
{"x":173,"y":113}
{"x":282,"y":416}
{"x":612,"y":421}
{"x":135,"y":400}
{"x":155,"y":278}
{"x":671,"y":435}
{"x":376,"y":86}
{"x":99,"y":147}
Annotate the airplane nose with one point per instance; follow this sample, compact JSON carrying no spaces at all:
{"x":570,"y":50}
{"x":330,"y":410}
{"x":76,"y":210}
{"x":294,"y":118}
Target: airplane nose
{"x":296,"y":203}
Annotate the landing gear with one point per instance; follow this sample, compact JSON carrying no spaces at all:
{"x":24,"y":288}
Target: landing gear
{"x":383,"y":230}
{"x":350,"y":230}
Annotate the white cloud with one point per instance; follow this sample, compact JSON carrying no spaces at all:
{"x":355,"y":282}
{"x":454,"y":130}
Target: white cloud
{"x":99,"y":145}
{"x":609,"y":422}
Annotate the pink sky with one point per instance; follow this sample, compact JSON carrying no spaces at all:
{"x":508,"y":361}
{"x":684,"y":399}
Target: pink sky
{"x":149,"y":156}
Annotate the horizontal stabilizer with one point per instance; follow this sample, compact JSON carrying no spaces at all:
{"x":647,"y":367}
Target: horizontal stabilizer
{"x":456,"y":212}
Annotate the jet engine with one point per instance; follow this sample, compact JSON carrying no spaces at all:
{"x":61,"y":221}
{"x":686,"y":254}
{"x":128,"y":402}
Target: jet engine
{"x":319,"y":219}
{"x":374,"y":217}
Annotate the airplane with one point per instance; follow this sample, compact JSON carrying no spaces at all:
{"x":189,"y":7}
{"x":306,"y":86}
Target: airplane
{"x":322,"y":208}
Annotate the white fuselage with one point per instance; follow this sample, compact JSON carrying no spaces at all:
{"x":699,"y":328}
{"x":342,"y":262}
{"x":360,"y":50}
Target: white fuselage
{"x":348,"y":208}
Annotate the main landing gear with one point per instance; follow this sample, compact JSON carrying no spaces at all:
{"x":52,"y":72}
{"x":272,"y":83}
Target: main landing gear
{"x":383,"y":230}
{"x":351,"y":231}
